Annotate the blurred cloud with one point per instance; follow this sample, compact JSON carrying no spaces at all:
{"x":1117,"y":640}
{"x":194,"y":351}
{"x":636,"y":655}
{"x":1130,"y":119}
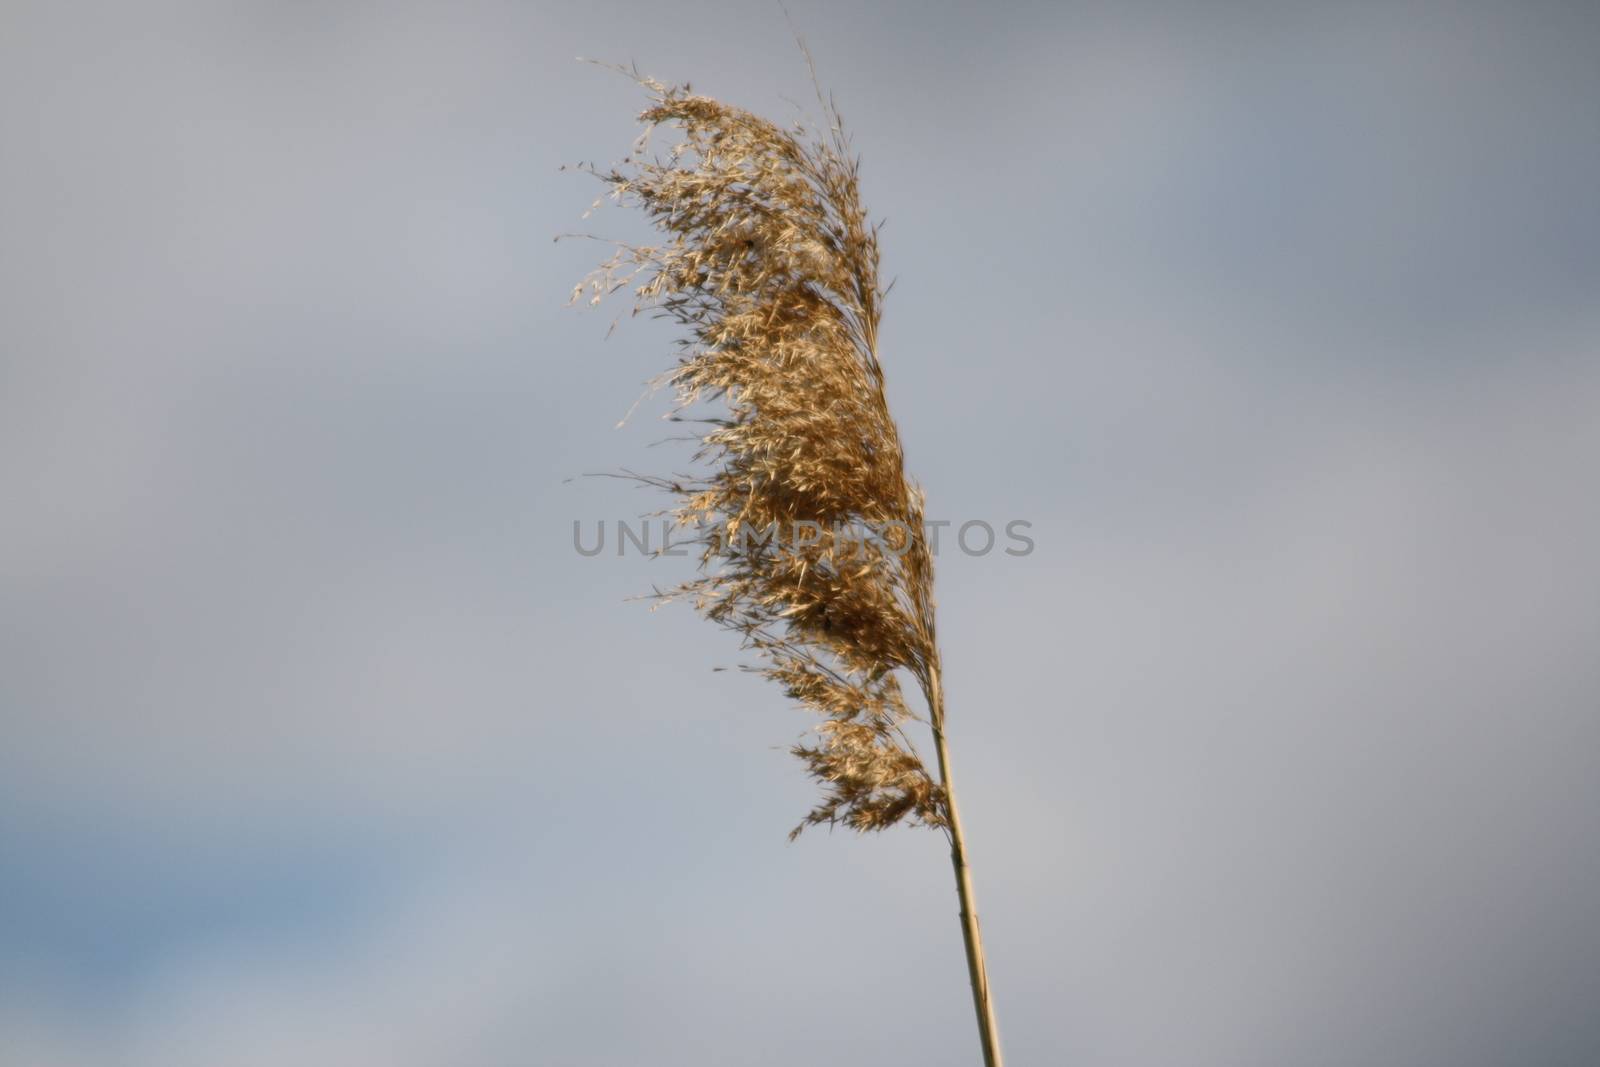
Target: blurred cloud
{"x":320,"y":744}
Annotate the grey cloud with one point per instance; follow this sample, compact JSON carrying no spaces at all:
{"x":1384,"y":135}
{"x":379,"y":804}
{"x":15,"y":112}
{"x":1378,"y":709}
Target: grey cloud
{"x":1278,"y":749}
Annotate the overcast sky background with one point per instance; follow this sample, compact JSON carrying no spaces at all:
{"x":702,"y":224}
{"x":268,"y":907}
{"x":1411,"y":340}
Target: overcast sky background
{"x":320,"y":745}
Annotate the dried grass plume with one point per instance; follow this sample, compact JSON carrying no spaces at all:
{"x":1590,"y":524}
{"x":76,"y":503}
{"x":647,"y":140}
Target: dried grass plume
{"x":768,"y":266}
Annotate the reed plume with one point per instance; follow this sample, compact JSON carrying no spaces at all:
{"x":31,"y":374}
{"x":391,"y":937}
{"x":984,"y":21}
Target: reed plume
{"x":768,"y":266}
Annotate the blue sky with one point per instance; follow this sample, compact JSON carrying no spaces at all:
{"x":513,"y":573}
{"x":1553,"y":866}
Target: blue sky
{"x":320,"y":744}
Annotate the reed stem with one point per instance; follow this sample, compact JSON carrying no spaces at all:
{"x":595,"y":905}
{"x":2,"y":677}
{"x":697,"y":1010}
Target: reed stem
{"x":977,"y":972}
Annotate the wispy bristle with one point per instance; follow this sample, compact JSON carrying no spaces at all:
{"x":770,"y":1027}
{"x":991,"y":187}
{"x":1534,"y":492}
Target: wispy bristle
{"x":769,"y":266}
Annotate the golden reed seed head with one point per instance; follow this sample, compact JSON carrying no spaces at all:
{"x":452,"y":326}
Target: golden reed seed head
{"x":768,"y":266}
